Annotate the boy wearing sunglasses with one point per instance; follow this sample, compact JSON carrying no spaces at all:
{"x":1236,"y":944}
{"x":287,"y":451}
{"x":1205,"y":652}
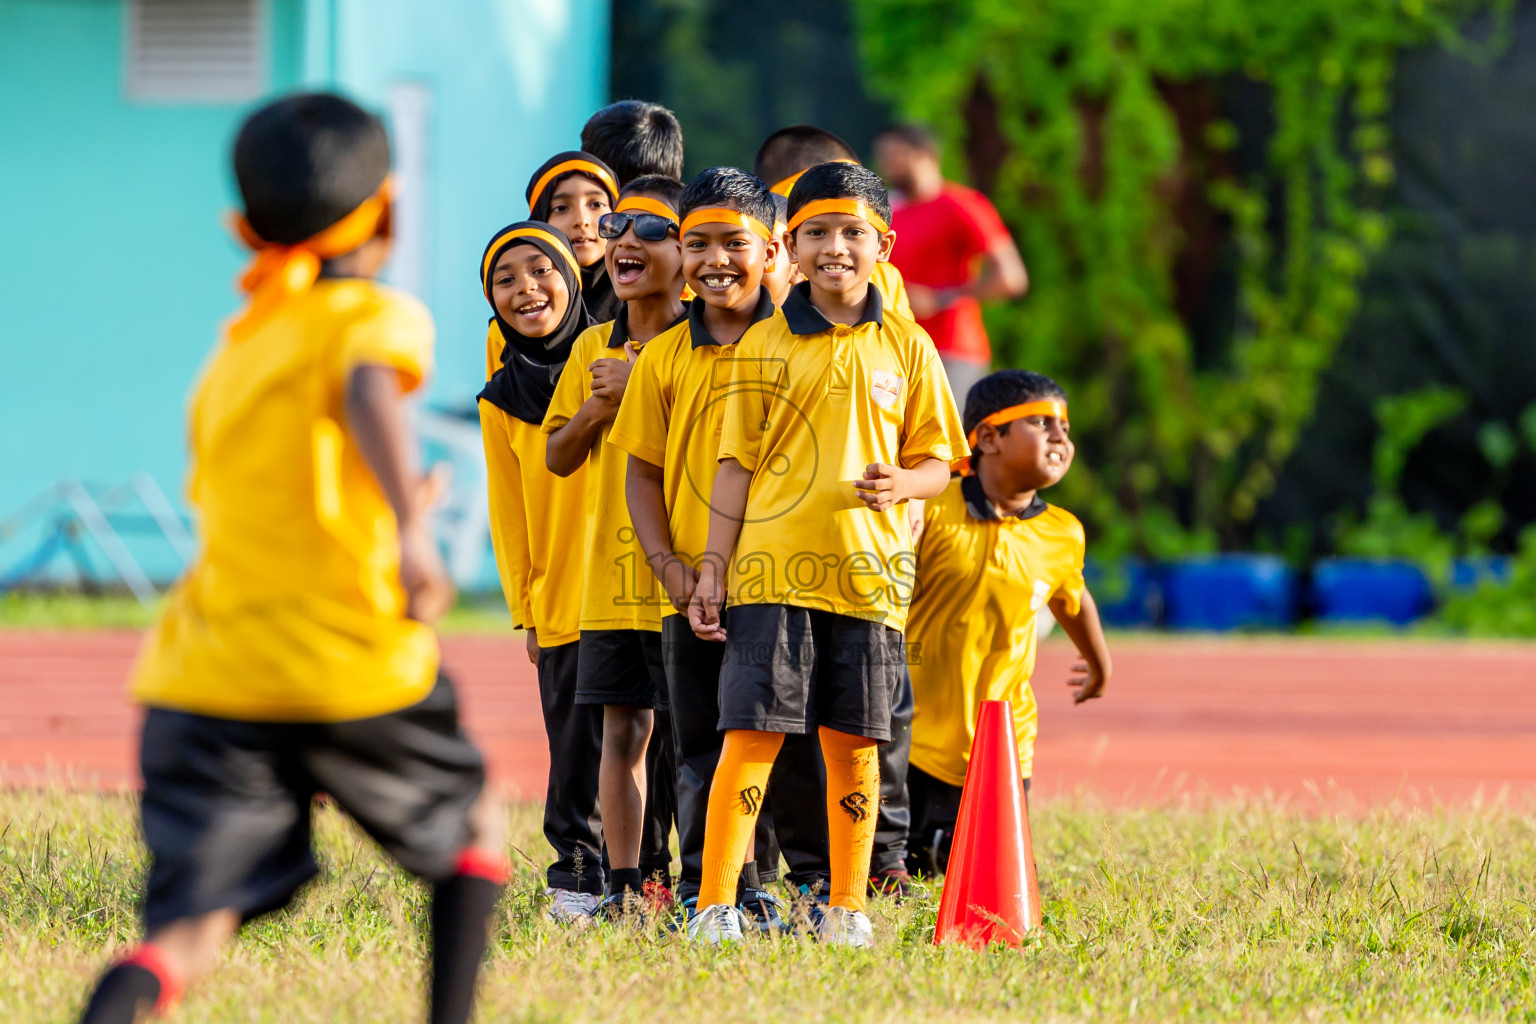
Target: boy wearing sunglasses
{"x":993,"y":554}
{"x":838,"y":412}
{"x":618,"y":660}
{"x":669,"y":423}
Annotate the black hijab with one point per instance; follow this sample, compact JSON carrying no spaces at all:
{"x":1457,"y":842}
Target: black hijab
{"x":530,"y":367}
{"x":596,"y":286}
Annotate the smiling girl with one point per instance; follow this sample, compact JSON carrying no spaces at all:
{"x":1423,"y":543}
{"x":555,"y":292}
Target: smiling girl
{"x":572,"y":191}
{"x":532,"y":279}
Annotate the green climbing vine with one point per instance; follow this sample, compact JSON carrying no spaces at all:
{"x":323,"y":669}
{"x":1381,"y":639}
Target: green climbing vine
{"x":1112,"y":128}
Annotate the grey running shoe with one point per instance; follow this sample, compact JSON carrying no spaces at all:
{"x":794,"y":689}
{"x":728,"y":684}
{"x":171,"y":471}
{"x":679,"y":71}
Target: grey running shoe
{"x":567,"y":906}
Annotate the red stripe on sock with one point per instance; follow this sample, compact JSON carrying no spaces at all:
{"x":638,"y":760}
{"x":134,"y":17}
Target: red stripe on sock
{"x":480,"y":864}
{"x":157,"y":962}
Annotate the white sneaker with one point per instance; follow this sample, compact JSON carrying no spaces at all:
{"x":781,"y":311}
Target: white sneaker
{"x":839,"y":926}
{"x":715,"y":925}
{"x":568,"y":907}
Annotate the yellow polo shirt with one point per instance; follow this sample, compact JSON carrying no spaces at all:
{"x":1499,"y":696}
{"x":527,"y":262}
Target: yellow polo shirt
{"x":812,"y":404}
{"x":536,"y":521}
{"x":671,"y":417}
{"x":893,"y":289}
{"x":294,"y":611}
{"x":981,"y":580}
{"x":619,"y":591}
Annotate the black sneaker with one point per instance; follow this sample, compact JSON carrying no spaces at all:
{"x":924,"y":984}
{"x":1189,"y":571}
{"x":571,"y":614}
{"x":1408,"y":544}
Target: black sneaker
{"x":764,"y":911}
{"x":682,"y":913}
{"x":620,"y":907}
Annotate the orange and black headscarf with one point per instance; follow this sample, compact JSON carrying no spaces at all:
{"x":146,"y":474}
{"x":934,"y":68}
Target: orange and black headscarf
{"x":596,"y":289}
{"x":280,"y":273}
{"x":530,"y":367}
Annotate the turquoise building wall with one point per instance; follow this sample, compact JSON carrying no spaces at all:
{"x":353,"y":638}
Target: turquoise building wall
{"x":115,"y":269}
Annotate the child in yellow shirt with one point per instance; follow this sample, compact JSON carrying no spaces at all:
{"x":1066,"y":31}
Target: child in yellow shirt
{"x":296,"y":656}
{"x":838,"y":413}
{"x":572,"y":191}
{"x":992,"y":554}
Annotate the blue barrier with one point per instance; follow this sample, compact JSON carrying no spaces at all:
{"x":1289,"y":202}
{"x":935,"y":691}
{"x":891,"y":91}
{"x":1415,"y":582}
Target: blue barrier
{"x":1222,"y":592}
{"x":1128,"y":593}
{"x":1362,"y":590}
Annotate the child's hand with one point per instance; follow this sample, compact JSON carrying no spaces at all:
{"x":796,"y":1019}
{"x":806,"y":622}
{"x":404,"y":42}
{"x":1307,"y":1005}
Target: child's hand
{"x":1089,"y":680}
{"x":883,"y":486}
{"x":915,"y":519}
{"x":611,"y":376}
{"x":428,"y":590}
{"x":533,"y":647}
{"x":704,"y":606}
{"x":678,"y":579}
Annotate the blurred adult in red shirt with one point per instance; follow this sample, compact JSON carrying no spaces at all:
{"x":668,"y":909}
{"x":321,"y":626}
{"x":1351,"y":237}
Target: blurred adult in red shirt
{"x":953,"y":251}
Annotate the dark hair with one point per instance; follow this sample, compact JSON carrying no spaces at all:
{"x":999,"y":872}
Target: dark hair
{"x":732,"y":188}
{"x":914,"y":135}
{"x":304,"y":162}
{"x":780,"y":208}
{"x":998,"y":391}
{"x":635,"y":138}
{"x":841,"y":181}
{"x":791,"y":150}
{"x":663,"y":185}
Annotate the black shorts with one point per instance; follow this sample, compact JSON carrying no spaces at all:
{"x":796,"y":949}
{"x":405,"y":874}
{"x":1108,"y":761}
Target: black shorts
{"x":621,"y":666}
{"x":790,"y":669}
{"x":226,"y":805}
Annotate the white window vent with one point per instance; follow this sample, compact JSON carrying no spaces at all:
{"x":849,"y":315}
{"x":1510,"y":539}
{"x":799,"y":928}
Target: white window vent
{"x":196,"y":50}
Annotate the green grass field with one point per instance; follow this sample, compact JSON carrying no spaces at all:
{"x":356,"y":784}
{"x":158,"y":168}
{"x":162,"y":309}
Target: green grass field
{"x":1226,"y":912}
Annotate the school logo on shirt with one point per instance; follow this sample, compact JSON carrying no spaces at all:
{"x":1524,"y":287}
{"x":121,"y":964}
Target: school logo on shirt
{"x":1040,"y":596}
{"x":885,"y":388}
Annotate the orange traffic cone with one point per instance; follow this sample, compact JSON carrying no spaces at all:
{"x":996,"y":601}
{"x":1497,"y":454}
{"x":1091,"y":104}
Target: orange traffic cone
{"x":990,"y":891}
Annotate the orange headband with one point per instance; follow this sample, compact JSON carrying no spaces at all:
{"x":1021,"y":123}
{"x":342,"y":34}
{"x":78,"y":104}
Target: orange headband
{"x":645,"y":204}
{"x":585,"y":166}
{"x":718,"y":215}
{"x":784,"y":187}
{"x":282,"y":272}
{"x":1047,"y":407}
{"x":852,"y":207}
{"x":516,"y":233}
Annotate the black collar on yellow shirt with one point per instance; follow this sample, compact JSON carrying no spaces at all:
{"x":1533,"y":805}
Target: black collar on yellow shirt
{"x":700,"y":334}
{"x":803,"y":317}
{"x":980,"y":506}
{"x":621,"y":327}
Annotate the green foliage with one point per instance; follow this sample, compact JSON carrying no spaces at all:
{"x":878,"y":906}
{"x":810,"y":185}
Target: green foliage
{"x":1110,"y":112}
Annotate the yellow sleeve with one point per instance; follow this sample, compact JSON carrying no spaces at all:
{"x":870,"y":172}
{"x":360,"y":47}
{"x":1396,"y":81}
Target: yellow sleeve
{"x":494,"y":343}
{"x":508,"y":520}
{"x":932,"y":428}
{"x":746,"y":404}
{"x":395,"y":331}
{"x":1070,"y":585}
{"x":640,"y":428}
{"x":575,"y":385}
{"x":893,"y":288}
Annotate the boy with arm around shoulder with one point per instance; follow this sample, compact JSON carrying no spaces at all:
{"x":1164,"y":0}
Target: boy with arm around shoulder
{"x":838,"y":414}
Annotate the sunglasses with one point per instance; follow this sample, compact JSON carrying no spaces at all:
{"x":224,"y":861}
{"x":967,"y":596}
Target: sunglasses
{"x":649,"y":227}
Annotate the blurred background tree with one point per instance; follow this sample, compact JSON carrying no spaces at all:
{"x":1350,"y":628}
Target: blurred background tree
{"x":1247,"y":224}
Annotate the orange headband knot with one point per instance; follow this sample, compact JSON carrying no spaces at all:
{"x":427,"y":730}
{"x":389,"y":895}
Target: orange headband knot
{"x":852,"y":207}
{"x":283,"y":272}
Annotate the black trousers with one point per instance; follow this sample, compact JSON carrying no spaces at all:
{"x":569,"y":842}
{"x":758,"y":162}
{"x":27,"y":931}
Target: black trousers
{"x":935,"y":806}
{"x":572,"y":821}
{"x":895,"y":818}
{"x":693,"y":684}
{"x":572,"y":824}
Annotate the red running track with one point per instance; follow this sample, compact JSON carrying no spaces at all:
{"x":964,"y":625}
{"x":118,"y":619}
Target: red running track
{"x":1316,"y":722}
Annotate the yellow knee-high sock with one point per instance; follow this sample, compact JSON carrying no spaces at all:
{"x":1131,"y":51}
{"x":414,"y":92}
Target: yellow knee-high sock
{"x":735,"y":797}
{"x":853,"y":801}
